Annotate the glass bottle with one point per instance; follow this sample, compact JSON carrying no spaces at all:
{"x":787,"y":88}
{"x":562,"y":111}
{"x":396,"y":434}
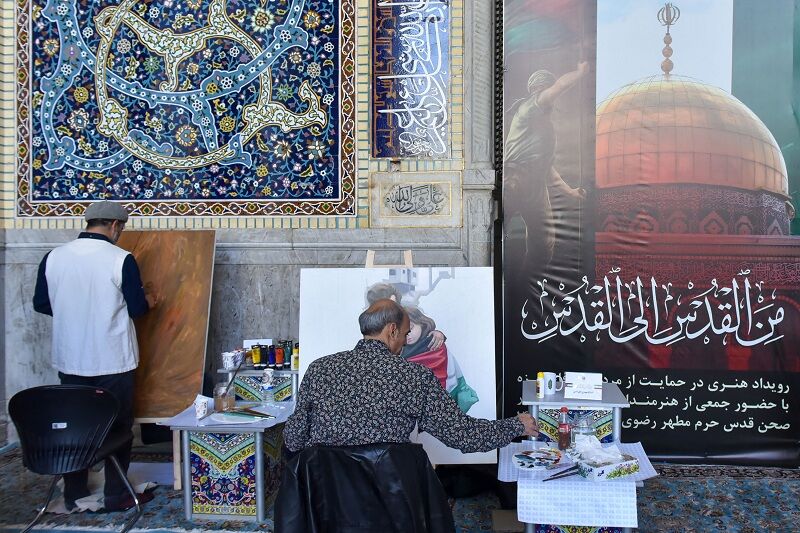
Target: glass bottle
{"x":564,"y":430}
{"x":583,"y":426}
{"x":224,"y":397}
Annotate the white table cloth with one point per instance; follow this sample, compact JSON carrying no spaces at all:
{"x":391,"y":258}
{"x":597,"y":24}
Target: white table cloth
{"x":573,"y":500}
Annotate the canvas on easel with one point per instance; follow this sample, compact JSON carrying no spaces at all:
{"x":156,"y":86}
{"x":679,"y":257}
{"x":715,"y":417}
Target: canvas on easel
{"x":458,"y":302}
{"x":179,"y":267}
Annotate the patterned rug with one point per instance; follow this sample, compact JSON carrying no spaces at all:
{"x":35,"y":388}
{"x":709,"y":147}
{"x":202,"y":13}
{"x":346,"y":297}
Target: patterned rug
{"x":682,"y":499}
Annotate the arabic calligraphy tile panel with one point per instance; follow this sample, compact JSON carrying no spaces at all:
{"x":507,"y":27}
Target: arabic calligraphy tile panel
{"x":201,"y":108}
{"x":411,"y":79}
{"x":415,"y":199}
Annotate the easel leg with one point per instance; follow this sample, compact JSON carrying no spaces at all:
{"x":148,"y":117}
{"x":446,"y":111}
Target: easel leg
{"x":176,"y":460}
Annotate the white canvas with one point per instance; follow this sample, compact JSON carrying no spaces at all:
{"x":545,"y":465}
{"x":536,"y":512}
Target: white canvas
{"x":461,"y":303}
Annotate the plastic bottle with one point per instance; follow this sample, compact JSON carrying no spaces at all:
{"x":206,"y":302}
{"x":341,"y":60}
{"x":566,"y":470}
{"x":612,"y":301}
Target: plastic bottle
{"x":279,"y":355}
{"x":296,"y":356}
{"x":267,"y":391}
{"x":564,"y":430}
{"x":540,"y":385}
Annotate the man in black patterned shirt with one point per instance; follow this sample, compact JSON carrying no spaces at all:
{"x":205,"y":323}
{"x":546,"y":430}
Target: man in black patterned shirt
{"x":370,"y":395}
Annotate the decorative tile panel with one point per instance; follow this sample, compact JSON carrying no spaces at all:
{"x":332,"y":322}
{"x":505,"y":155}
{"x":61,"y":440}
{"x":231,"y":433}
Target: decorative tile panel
{"x":248,"y":388}
{"x":196,"y":108}
{"x":223,"y":474}
{"x":600,"y":420}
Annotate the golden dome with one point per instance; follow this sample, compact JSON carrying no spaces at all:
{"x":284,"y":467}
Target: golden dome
{"x":676,"y":130}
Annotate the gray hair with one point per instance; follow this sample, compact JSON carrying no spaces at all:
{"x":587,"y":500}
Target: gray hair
{"x":376,"y":317}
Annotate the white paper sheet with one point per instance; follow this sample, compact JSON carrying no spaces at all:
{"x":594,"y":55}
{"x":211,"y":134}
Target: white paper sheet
{"x":577,"y":502}
{"x":573,"y":500}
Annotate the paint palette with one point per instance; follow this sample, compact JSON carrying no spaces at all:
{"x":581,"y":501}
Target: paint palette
{"x":537,"y":459}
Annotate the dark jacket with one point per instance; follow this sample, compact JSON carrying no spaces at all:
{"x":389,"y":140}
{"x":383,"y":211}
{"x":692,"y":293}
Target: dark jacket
{"x":380,"y":488}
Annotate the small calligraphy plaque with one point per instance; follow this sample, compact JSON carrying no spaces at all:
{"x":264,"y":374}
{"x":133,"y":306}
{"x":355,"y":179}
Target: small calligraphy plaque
{"x":406,"y":199}
{"x":583,"y":385}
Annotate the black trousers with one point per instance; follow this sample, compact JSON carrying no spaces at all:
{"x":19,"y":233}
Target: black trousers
{"x":121,"y":386}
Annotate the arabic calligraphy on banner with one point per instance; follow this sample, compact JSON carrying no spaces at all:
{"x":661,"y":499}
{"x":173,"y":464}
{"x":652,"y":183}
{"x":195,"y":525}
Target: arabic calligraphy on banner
{"x":424,"y":199}
{"x":688,"y":398}
{"x":411,"y":78}
{"x":738,"y":311}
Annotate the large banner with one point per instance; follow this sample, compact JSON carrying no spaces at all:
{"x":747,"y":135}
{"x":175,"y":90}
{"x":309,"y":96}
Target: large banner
{"x":650,"y":154}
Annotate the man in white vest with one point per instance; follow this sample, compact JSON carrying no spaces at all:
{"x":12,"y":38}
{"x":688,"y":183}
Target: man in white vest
{"x":93,"y":290}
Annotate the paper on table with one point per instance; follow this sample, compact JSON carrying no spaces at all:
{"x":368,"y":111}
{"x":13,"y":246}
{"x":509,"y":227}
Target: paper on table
{"x":577,"y":503}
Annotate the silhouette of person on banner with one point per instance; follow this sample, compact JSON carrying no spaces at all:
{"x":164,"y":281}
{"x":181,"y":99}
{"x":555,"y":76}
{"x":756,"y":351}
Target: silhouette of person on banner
{"x":529,"y":174}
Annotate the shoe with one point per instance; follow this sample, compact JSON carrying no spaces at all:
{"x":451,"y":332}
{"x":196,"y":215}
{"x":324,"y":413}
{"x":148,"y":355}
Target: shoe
{"x":125,"y":501}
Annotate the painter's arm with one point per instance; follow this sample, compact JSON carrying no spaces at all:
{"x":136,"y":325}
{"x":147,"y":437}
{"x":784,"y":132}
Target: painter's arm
{"x":41,"y":295}
{"x":297,"y":431}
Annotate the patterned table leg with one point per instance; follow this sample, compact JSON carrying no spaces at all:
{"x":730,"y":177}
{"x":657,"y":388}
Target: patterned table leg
{"x":226,"y":477}
{"x":223,"y":480}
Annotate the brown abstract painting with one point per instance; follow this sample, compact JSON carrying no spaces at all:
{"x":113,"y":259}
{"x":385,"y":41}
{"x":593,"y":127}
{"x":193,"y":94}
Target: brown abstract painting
{"x":176,"y":266}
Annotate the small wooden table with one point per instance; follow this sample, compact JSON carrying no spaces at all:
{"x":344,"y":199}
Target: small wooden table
{"x":230,"y":470}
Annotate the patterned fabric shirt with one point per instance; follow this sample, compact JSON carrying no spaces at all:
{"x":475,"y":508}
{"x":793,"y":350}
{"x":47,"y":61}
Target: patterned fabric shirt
{"x":369,"y":395}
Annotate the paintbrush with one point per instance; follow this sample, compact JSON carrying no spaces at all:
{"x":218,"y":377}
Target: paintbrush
{"x":571,"y":471}
{"x":247,"y":410}
{"x":246,"y":415}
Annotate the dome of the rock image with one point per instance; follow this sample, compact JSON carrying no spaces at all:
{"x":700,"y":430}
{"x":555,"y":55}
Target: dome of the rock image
{"x":675,"y":155}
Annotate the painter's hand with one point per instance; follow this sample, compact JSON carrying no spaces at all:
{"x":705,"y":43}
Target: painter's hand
{"x":583,"y":68}
{"x":531,"y":427}
{"x":151,"y":295}
{"x":437,"y":339}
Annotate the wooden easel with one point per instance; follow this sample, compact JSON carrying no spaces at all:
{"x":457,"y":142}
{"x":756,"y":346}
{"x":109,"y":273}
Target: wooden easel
{"x":407,"y":262}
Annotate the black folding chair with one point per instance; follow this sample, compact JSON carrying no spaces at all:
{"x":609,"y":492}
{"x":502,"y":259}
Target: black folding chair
{"x":64,"y":429}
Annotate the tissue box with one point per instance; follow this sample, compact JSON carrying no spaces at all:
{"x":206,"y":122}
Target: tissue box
{"x":603,"y":471}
